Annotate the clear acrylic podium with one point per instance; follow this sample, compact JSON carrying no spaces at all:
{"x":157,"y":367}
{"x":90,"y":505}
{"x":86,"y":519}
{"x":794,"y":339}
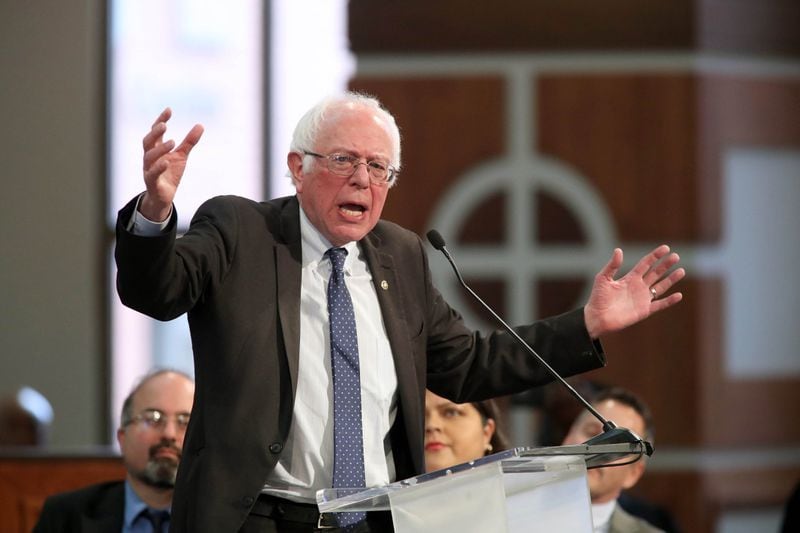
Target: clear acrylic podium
{"x":524,"y":489}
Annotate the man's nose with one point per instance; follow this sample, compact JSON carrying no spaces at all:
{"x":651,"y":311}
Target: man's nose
{"x":360,"y":175}
{"x":171,"y":429}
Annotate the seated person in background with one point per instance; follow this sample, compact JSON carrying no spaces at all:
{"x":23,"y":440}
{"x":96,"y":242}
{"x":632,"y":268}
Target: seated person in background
{"x":153,"y":423}
{"x":607,"y":483}
{"x":25,"y":418}
{"x":657,"y":515}
{"x":457,"y":433}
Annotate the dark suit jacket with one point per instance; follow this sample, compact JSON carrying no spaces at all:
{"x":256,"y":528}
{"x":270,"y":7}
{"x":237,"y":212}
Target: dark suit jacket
{"x":656,"y":515}
{"x":94,"y":509}
{"x":237,"y":273}
{"x":622,"y":522}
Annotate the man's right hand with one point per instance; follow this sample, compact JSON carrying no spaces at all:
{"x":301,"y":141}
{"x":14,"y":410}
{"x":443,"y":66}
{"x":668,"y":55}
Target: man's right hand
{"x":163,"y":167}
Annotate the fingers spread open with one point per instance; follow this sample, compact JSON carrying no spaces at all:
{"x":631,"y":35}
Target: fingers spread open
{"x":661,"y":268}
{"x":190,"y":140}
{"x":663,"y":303}
{"x":646,"y":263}
{"x":163,"y":117}
{"x":663,"y":286}
{"x":611,"y":268}
{"x":154,"y":136}
{"x":152,"y":155}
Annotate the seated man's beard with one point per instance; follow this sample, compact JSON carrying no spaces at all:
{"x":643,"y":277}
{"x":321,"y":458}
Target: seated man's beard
{"x":160,"y":472}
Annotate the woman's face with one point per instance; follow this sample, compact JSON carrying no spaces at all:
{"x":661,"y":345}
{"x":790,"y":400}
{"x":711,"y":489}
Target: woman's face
{"x":454,"y":433}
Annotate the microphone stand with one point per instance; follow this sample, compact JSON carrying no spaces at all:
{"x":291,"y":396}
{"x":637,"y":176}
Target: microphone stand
{"x":611,"y":433}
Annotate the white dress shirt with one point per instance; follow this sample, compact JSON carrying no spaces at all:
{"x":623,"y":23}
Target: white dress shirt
{"x":601,"y":515}
{"x":306,"y":464}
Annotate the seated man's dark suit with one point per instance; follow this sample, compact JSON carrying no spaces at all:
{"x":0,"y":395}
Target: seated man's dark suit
{"x":95,"y":509}
{"x":237,"y":272}
{"x":623,"y":522}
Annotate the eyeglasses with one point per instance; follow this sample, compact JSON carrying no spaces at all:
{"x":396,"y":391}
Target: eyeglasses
{"x":380,"y":173}
{"x":155,"y":419}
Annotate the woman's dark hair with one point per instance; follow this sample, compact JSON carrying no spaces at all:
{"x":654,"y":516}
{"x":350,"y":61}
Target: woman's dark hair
{"x":490,"y":409}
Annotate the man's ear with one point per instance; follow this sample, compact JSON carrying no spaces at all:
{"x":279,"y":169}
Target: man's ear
{"x":635,"y":472}
{"x":121,"y":437}
{"x":295,"y":163}
{"x":488,"y":433}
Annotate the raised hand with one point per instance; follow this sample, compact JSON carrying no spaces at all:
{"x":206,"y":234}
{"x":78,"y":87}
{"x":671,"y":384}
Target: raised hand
{"x":163,"y":166}
{"x":617,"y":304}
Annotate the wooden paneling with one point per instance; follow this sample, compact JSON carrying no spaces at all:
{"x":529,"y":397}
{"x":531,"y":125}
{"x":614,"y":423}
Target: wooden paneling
{"x":696,"y":498}
{"x":653,"y":143}
{"x":737,"y":111}
{"x":738,"y":411}
{"x":740,"y":112}
{"x":752,"y":27}
{"x":681,"y":492}
{"x":633,"y":137}
{"x":448,"y":125}
{"x":25,"y":482}
{"x":747,"y":486}
{"x":659,"y":359}
{"x":511,"y":25}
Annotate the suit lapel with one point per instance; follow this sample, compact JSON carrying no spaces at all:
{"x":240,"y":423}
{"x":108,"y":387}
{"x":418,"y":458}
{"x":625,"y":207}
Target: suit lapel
{"x":390,"y":298}
{"x":101,"y":524}
{"x":106,"y":515}
{"x":289,"y":277}
{"x":387,"y":284}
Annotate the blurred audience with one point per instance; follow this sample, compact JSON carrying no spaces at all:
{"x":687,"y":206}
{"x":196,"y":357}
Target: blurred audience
{"x":457,"y":433}
{"x":606,"y":484}
{"x":556,"y":408}
{"x":25,"y":418}
{"x":152,"y":427}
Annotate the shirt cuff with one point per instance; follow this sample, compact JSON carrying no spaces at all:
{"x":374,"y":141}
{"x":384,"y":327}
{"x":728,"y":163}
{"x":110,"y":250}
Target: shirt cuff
{"x":144,"y":227}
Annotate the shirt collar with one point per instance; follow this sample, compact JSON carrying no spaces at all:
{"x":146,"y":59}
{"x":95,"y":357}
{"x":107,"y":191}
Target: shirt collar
{"x":314,"y":244}
{"x":133,"y":505}
{"x":601,"y":512}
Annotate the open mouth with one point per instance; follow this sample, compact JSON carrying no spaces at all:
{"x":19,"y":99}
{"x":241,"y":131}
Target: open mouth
{"x":352,"y":210}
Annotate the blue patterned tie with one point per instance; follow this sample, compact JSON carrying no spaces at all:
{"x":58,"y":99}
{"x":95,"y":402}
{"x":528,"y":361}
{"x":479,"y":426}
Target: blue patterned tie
{"x":348,"y":446}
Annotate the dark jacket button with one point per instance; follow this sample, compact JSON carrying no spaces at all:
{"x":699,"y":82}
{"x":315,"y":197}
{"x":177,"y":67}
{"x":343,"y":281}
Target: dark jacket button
{"x":276,"y":447}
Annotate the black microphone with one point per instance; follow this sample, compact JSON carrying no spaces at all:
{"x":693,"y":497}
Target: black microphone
{"x":611,"y":433}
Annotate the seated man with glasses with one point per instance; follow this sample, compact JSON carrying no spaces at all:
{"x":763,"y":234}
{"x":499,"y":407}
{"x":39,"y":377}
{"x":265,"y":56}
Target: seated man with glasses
{"x":152,"y":426}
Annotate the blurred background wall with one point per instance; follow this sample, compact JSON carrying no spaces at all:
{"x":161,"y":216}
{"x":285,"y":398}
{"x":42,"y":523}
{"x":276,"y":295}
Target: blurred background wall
{"x":52,"y":162}
{"x":537,"y":136}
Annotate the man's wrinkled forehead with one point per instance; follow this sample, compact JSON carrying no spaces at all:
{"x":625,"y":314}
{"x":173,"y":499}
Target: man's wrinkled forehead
{"x":352,"y":109}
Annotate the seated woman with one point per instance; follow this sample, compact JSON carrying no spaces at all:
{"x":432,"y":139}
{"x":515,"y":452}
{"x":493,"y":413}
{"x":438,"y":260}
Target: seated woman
{"x":457,"y":433}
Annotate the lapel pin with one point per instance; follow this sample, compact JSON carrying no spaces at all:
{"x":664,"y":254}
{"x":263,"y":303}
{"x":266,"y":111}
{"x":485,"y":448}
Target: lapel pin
{"x":385,"y":285}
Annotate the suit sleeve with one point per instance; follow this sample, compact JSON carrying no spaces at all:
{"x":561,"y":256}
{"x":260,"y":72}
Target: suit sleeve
{"x":47,"y":522}
{"x":466,"y":365}
{"x":164,"y":276}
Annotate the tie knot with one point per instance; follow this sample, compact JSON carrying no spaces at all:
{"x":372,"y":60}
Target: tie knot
{"x":157,"y":518}
{"x":337,"y":257}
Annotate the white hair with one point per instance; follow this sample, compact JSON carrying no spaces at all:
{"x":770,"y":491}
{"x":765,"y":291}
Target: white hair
{"x":308,"y":127}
